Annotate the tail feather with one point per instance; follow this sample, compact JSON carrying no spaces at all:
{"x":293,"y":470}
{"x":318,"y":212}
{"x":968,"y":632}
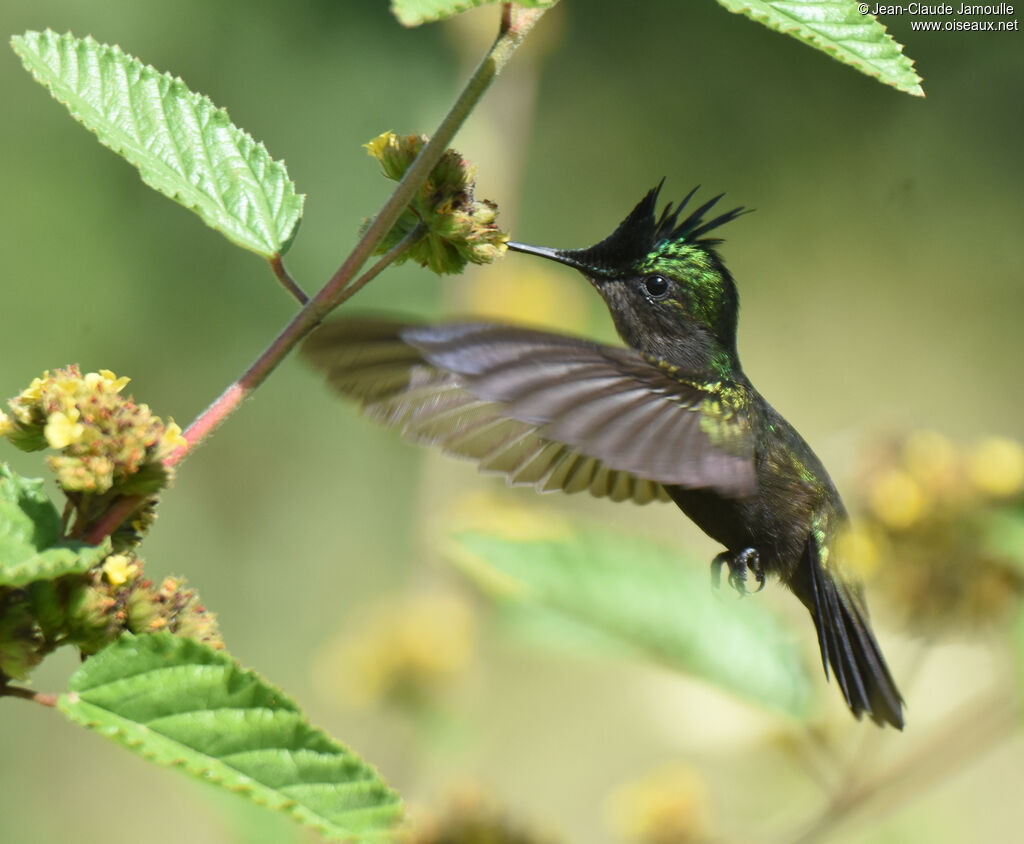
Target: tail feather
{"x":846,"y":641}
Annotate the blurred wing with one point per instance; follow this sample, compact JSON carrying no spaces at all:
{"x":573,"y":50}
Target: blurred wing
{"x":543,"y":409}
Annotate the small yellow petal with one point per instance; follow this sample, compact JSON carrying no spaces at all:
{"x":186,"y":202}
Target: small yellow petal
{"x":114,"y":384}
{"x":63,"y":429}
{"x":6,"y":424}
{"x":34,"y":390}
{"x":171,"y":439}
{"x":118,"y":569}
{"x":376,"y":147}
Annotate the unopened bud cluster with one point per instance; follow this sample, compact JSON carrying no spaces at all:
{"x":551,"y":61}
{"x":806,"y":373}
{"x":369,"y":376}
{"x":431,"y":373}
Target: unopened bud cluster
{"x":459,"y":228}
{"x":105,"y":440}
{"x":92,"y":610}
{"x":939,"y":529}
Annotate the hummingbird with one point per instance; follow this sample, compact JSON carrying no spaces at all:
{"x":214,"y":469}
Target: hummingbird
{"x":671,"y":416}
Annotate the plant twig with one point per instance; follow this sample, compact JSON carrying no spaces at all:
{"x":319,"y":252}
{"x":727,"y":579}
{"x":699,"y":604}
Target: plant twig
{"x":27,"y":694}
{"x":298,"y":328}
{"x":515,"y":25}
{"x":386,"y":259}
{"x":287,"y":282}
{"x":972,"y":731}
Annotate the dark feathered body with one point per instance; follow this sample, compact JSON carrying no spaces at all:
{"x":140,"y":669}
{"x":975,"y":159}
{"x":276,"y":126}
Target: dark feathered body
{"x":672,"y":416}
{"x":793,"y":490}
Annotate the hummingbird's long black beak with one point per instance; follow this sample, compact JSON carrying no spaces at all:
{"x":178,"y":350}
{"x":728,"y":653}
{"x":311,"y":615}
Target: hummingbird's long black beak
{"x":562,"y":256}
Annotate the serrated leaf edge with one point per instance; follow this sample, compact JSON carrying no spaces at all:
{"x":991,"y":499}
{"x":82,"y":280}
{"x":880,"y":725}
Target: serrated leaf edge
{"x":804,"y":31}
{"x":246,"y":145}
{"x":205,"y":767}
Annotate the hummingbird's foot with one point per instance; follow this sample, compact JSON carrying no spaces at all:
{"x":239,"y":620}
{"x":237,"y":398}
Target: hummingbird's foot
{"x":740,"y":565}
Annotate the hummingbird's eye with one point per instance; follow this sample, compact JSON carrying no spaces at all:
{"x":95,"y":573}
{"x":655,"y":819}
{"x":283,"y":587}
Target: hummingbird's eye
{"x":656,"y":287}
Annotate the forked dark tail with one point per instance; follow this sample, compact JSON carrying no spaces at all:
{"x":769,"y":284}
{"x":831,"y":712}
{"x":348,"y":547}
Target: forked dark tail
{"x":846,"y":641}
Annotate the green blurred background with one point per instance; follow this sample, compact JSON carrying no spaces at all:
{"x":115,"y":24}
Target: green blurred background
{"x":882,"y":291}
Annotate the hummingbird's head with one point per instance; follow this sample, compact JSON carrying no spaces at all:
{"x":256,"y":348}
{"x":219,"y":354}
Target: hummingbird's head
{"x":667,"y":289}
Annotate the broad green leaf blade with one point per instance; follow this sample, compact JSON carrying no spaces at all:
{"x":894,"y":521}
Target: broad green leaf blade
{"x":837,"y":27}
{"x":181,"y":143}
{"x":648,"y":598}
{"x":29,"y":534}
{"x":183,"y":705}
{"x":415,"y":12}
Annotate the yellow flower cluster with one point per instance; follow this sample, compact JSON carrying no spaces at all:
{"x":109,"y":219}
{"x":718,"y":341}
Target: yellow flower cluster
{"x":115,"y":598}
{"x":939,"y":529}
{"x":104,"y":438}
{"x":459,"y":228}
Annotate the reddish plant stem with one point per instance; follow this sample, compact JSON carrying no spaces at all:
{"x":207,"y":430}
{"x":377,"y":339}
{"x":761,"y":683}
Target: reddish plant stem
{"x":287,"y":282}
{"x":304,"y":321}
{"x":516,"y":22}
{"x":27,"y":694}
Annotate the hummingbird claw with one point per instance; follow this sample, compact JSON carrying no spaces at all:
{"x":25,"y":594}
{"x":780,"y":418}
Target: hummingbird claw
{"x":740,"y":565}
{"x":716,"y":569}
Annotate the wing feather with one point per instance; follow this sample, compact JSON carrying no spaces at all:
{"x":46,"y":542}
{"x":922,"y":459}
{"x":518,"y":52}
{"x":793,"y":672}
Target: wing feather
{"x":544,"y":409}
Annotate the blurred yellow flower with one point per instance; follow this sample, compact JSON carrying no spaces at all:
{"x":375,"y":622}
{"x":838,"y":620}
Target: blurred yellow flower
{"x":668,"y":806}
{"x":470,"y":818}
{"x":63,"y":429}
{"x":996,"y":467}
{"x":897,"y":499}
{"x":530,"y":293}
{"x":858,"y":549}
{"x":932,"y":460}
{"x":486,"y":513}
{"x":402,"y":651}
{"x":941,"y":531}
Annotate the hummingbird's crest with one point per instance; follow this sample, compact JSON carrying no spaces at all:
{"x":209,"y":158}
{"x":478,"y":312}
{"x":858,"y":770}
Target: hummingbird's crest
{"x":642,"y":233}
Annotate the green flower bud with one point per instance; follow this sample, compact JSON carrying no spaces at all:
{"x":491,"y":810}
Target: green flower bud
{"x":459,"y":228}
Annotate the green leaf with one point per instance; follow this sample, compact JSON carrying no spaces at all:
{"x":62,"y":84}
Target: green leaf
{"x":415,"y":12}
{"x":646,"y":597}
{"x":181,"y":704}
{"x":181,"y":143}
{"x":30,"y":549}
{"x":837,"y":27}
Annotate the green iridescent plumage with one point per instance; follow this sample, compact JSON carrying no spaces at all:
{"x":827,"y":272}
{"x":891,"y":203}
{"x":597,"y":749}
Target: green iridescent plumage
{"x":672,"y":416}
